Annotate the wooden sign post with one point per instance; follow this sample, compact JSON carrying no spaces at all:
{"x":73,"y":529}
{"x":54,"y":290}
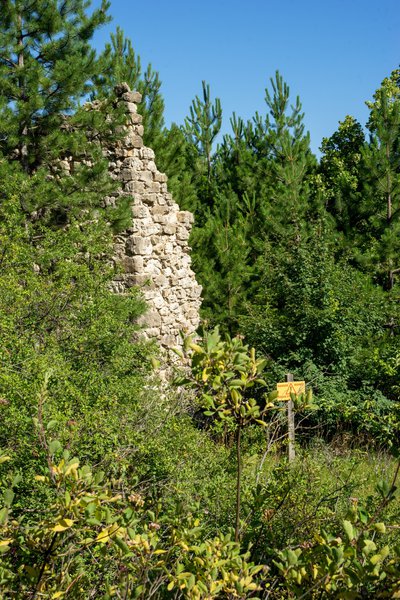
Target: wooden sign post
{"x":291,"y":427}
{"x":284,"y":392}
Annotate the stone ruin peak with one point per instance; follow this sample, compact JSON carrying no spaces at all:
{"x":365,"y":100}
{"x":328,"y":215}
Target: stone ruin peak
{"x":154,"y":251}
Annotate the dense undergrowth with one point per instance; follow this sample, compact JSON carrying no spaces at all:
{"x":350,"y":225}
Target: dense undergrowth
{"x":157,"y":516}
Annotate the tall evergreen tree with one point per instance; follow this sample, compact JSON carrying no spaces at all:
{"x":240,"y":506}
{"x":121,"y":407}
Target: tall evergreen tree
{"x":292,"y":162}
{"x":240,"y":164}
{"x":201,"y":128}
{"x":260,"y":194}
{"x":122,"y":63}
{"x":225,"y":230}
{"x":46,"y":68}
{"x":203,"y":125}
{"x":223,"y":261}
{"x":382,"y":175}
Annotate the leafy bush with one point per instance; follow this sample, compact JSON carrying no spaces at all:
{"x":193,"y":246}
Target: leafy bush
{"x":102,"y":540}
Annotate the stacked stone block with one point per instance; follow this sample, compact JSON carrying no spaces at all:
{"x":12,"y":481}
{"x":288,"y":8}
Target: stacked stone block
{"x":154,"y":251}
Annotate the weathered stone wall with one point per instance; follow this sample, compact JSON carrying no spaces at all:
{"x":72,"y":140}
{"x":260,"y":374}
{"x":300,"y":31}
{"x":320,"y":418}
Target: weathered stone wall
{"x":154,"y":251}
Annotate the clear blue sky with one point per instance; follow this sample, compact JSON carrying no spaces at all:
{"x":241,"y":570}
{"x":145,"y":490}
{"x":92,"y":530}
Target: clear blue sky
{"x":332,"y":53}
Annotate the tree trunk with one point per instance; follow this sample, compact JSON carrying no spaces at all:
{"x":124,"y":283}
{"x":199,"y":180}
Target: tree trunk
{"x":238,"y":480}
{"x":23,"y":146}
{"x":389,"y":210}
{"x":291,"y":425}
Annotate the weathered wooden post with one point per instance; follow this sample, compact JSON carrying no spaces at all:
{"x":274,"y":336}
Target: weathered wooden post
{"x":291,"y":425}
{"x":285,"y":391}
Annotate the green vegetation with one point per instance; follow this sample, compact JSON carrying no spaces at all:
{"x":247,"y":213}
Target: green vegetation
{"x":115,"y":486}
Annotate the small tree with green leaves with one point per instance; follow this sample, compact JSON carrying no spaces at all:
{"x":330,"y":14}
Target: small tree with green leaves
{"x":340,"y":172}
{"x":223,"y":372}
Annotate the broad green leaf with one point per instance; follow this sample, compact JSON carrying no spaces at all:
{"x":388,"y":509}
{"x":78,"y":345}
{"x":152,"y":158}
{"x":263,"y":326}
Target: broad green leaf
{"x":369,"y":546}
{"x":178,"y":352}
{"x":348,"y":527}
{"x":155,"y":363}
{"x":377,"y":558}
{"x":236,"y":383}
{"x":63,"y":525}
{"x":292,"y":557}
{"x":138,"y":590}
{"x":380,"y":527}
{"x":121,"y":544}
{"x":8,"y":497}
{"x":3,"y":515}
{"x":261,"y":364}
{"x":72,"y":466}
{"x":236,"y":397}
{"x":196,"y":348}
{"x":54,"y":446}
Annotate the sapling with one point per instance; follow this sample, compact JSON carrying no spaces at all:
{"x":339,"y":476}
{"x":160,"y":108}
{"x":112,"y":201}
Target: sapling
{"x":222,"y":372}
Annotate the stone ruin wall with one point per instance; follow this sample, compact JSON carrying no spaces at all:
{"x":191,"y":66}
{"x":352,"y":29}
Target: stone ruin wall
{"x":154,"y":251}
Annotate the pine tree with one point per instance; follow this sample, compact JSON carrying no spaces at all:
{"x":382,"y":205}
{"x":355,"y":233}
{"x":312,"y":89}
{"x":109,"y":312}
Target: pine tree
{"x":123,"y":64}
{"x":201,"y":128}
{"x":222,"y":261}
{"x":225,"y":232}
{"x":258,"y":193}
{"x":46,"y":69}
{"x":292,"y":162}
{"x":58,"y":313}
{"x":382,"y":174}
{"x":238,"y":164}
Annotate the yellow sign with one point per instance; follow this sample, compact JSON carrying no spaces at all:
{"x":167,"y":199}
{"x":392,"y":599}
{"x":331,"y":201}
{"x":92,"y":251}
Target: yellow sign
{"x":290,"y":387}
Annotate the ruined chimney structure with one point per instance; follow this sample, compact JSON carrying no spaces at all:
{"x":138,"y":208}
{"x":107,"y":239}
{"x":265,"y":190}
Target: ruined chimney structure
{"x":154,"y":250}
